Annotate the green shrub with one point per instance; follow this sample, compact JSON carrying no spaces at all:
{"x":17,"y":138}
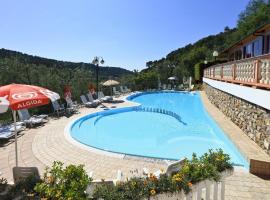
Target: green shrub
{"x":64,"y":183}
{"x":24,"y":188}
{"x":3,"y":184}
{"x":208,"y":166}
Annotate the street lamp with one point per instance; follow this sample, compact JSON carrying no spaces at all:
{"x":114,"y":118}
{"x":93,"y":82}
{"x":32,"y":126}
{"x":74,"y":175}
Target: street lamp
{"x":215,"y":54}
{"x":96,"y":61}
{"x":172,"y":67}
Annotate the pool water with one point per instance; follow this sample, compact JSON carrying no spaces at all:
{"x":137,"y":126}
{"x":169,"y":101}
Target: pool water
{"x":156,"y":134}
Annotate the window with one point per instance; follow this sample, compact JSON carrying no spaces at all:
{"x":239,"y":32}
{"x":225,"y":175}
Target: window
{"x":238,"y":55}
{"x":249,"y":50}
{"x":231,"y":57}
{"x":267,"y":44}
{"x":257,"y":47}
{"x":253,"y":48}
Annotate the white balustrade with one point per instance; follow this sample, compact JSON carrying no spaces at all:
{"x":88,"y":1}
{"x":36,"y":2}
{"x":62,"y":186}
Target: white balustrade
{"x":245,"y":71}
{"x":265,"y":71}
{"x":206,"y":190}
{"x":228,"y":71}
{"x":252,"y":71}
{"x":217,"y":72}
{"x":212,"y":69}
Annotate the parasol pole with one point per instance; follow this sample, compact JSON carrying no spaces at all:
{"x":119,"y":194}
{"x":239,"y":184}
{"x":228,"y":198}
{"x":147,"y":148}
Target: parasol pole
{"x":15,"y":127}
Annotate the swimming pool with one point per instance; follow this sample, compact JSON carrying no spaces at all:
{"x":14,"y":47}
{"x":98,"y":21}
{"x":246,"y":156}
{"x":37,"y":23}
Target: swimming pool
{"x":166,"y":125}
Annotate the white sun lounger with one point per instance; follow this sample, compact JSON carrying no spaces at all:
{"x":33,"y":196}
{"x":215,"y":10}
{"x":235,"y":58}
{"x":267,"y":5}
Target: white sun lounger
{"x":126,"y":89}
{"x":87,"y":103}
{"x":31,"y":120}
{"x":59,"y":109}
{"x":171,"y":168}
{"x":7,"y":131}
{"x":90,"y":189}
{"x":104,"y":98}
{"x":71,"y":106}
{"x":91,"y":99}
{"x":115,"y":92}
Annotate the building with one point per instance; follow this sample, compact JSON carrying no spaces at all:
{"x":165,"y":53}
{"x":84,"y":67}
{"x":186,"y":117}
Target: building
{"x":255,"y":44}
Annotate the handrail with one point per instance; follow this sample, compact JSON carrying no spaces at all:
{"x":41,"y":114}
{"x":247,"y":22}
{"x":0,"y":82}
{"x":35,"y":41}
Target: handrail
{"x":146,"y":109}
{"x":252,"y":71}
{"x":162,"y":111}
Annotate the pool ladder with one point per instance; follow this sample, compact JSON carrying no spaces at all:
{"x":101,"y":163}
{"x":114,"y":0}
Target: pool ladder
{"x":162,"y":111}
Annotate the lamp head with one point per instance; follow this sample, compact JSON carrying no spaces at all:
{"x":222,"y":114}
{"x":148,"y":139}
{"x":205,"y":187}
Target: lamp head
{"x":215,"y":53}
{"x":95,"y":60}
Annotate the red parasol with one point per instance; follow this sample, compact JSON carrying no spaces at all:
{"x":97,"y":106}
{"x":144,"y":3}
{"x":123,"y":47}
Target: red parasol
{"x":19,"y":96}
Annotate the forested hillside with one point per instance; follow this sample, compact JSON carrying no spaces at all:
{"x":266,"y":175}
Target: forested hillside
{"x":17,"y":67}
{"x":181,"y":62}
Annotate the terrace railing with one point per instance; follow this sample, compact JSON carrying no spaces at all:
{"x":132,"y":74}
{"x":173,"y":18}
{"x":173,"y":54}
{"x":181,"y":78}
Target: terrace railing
{"x":206,"y":190}
{"x":252,"y":71}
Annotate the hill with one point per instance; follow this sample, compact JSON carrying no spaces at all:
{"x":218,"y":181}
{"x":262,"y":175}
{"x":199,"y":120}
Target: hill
{"x":17,"y":67}
{"x":181,"y":62}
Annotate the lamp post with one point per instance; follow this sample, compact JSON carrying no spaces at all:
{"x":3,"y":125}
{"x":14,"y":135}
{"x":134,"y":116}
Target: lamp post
{"x":215,"y":54}
{"x":205,"y":64}
{"x":96,"y":61}
{"x":172,"y":67}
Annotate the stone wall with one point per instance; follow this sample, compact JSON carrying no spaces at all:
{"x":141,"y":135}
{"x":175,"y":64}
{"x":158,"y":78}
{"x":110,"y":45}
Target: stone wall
{"x":252,"y":119}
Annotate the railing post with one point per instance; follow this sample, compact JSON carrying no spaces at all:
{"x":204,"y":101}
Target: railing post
{"x":221,"y":72}
{"x":214,"y":71}
{"x":234,"y":71}
{"x":257,"y":71}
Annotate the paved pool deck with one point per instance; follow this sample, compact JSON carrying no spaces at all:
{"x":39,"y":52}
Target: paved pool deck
{"x":41,"y":146}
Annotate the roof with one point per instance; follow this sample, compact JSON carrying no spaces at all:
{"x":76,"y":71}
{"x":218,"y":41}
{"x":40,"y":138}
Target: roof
{"x":261,"y":29}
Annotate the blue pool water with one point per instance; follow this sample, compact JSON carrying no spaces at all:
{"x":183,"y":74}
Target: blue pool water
{"x":167,"y":125}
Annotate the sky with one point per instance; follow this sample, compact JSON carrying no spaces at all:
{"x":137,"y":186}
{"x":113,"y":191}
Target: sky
{"x":126,"y":33}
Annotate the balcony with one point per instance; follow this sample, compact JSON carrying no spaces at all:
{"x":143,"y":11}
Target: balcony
{"x":254,"y":72}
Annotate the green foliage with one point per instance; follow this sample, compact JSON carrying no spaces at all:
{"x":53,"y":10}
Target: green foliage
{"x":198,"y":71}
{"x":208,"y":166}
{"x":185,"y":58}
{"x":24,"y":188}
{"x":16,"y":67}
{"x":3,"y":184}
{"x":21,"y":68}
{"x":63,"y":183}
{"x":146,"y":80}
{"x":255,"y":15}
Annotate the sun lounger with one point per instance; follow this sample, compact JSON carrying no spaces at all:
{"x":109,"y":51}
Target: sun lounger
{"x":122,"y":89}
{"x":27,"y":114}
{"x":115,"y":92}
{"x":59,"y":109}
{"x":8,"y":131}
{"x":90,"y":189}
{"x":171,"y":168}
{"x":21,"y":173}
{"x":71,"y":106}
{"x":104,"y":98}
{"x":126,"y":89}
{"x":31,"y":120}
{"x":164,"y":86}
{"x":91,"y":99}
{"x":87,"y":103}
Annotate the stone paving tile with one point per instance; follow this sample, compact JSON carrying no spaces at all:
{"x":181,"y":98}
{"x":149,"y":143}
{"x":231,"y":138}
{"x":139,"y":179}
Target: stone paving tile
{"x":41,"y":146}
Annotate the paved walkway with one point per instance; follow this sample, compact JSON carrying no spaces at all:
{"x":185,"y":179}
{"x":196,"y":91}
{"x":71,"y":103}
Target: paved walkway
{"x":41,"y":146}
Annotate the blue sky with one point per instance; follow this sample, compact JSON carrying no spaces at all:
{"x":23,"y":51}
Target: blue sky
{"x":126,"y":33}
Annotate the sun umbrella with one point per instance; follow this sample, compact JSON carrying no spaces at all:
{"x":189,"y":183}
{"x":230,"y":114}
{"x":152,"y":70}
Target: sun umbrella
{"x":110,"y":83}
{"x":19,"y":96}
{"x":172,"y":78}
